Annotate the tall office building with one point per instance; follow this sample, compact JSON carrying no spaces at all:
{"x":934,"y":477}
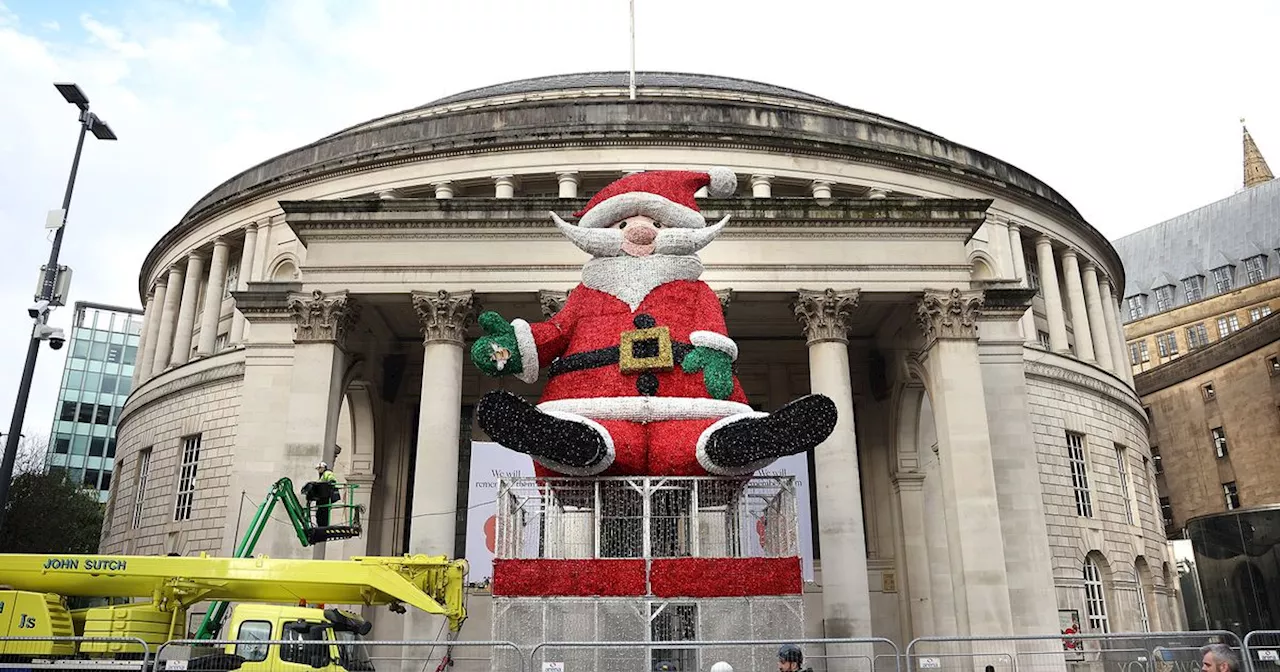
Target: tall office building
{"x":96,"y":380}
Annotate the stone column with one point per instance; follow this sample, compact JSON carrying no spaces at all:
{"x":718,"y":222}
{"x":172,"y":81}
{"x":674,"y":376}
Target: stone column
{"x":941,"y":589}
{"x":761,"y":186}
{"x":147,"y":360}
{"x":216,"y":287}
{"x":909,"y":488}
{"x":260,"y":258}
{"x":146,"y":340}
{"x":821,"y":189}
{"x":187,"y":312}
{"x":444,"y":317}
{"x":975,"y":539}
{"x":504,"y":186}
{"x":1075,"y":299}
{"x":242,"y":280}
{"x":444,"y":190}
{"x":569,"y":182}
{"x":1120,"y":354}
{"x":1124,"y":358}
{"x":323,"y":325}
{"x":877,"y":192}
{"x":1027,"y":558}
{"x":1097,"y":320}
{"x":168,"y":317}
{"x":845,"y":594}
{"x":1028,"y":320}
{"x":1052,"y":296}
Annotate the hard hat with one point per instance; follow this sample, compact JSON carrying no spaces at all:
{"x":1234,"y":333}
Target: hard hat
{"x":790,"y":653}
{"x":322,"y":465}
{"x":722,"y":667}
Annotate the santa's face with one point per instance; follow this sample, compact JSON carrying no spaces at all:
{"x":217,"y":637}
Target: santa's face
{"x":639,"y":235}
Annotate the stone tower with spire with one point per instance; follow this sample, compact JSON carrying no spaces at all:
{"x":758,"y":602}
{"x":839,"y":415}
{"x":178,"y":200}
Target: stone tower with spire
{"x":1256,"y":170}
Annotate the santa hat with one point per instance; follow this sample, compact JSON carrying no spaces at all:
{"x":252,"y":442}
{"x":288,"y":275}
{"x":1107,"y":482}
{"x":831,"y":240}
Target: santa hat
{"x":664,"y":195}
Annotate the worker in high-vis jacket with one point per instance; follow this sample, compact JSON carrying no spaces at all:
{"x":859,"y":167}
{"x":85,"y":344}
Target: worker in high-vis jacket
{"x":323,"y":492}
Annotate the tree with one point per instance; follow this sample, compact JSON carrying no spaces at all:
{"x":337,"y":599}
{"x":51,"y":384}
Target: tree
{"x":46,"y":511}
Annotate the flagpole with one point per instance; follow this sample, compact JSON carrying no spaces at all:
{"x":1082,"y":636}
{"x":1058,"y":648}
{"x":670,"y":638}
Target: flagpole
{"x":633,"y":49}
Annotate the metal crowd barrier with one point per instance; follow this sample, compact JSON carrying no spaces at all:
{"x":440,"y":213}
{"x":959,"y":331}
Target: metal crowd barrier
{"x":354,"y":655}
{"x":1116,"y":652}
{"x":1262,"y":649}
{"x":870,"y":654}
{"x":74,"y":653}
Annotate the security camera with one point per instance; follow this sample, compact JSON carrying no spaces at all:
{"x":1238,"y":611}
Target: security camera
{"x":56,"y":337}
{"x":39,"y":308}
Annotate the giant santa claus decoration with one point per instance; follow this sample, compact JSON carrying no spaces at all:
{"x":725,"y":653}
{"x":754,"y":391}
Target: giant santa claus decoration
{"x":640,"y":369}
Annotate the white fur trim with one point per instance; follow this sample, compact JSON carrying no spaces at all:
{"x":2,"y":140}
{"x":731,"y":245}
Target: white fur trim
{"x":665,"y":211}
{"x":594,"y":469}
{"x":712,"y":468}
{"x":709,"y":339}
{"x":646,"y":409}
{"x":723,"y":183}
{"x":528,"y":351}
{"x":630,"y":279}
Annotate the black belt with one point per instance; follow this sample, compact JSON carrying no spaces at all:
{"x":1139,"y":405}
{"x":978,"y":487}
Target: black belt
{"x":609,"y":356}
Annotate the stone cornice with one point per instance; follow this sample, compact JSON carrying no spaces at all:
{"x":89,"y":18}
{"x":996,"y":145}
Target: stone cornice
{"x":1249,"y":339}
{"x":266,"y":301}
{"x":148,"y":395}
{"x":1060,"y":374}
{"x":1005,"y":301}
{"x":577,"y":268}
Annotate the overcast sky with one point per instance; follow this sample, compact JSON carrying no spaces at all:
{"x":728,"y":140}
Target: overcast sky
{"x":1129,"y":109}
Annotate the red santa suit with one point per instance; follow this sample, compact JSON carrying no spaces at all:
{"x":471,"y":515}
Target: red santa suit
{"x":654,"y":412}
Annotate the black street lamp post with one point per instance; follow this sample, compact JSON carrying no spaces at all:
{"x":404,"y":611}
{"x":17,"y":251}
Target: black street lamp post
{"x":49,"y":297}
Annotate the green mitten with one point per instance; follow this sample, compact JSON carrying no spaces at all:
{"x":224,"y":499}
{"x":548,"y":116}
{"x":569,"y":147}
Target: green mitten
{"x":716,"y":368}
{"x":496,"y":353}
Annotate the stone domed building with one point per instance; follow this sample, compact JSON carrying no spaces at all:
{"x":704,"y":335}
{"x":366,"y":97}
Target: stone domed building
{"x":991,"y":473}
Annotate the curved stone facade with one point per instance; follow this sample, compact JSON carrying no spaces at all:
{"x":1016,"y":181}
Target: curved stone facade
{"x":328,"y":264}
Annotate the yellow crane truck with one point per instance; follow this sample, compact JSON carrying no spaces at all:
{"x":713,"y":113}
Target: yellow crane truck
{"x":268,"y":594}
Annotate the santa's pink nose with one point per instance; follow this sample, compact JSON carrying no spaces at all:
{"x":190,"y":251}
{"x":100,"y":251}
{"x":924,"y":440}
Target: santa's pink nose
{"x":640,"y":234}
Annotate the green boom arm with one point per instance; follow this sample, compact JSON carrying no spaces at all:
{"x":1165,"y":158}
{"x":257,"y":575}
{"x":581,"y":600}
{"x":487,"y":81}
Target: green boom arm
{"x":281,"y":491}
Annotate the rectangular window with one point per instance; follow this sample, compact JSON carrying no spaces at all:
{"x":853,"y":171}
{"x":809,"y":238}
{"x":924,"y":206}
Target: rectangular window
{"x":1138,"y":353}
{"x":85,"y":414}
{"x":62,"y":444}
{"x":114,"y":352}
{"x":1135,"y":307}
{"x":1197,"y":336}
{"x":1122,"y":469}
{"x":1033,"y":274}
{"x":97,"y":446}
{"x":1194,"y":287}
{"x":1157,"y":461}
{"x":102,"y":415}
{"x":1167,"y":343}
{"x":1228,"y":325}
{"x":1222,"y":279}
{"x":140,"y":485}
{"x":68,"y":413}
{"x":1258,"y":313}
{"x":1043,"y":337}
{"x":1255,"y":269}
{"x":1164,"y":298}
{"x":1079,"y":474}
{"x":1166,"y":512}
{"x":233,"y":277}
{"x":187,"y":477}
{"x":252,"y":632}
{"x":1231,"y":495}
{"x":1208,"y":392}
{"x":1273,"y":365}
{"x":1219,"y":441}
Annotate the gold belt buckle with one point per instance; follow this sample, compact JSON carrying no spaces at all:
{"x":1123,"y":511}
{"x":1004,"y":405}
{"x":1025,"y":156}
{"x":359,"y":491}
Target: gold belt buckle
{"x":641,"y":350}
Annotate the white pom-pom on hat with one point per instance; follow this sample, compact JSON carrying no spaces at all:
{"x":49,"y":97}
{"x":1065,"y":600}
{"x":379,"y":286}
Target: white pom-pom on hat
{"x":723,"y":182}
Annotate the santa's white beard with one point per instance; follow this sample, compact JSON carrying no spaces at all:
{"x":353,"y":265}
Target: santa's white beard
{"x":632,"y":278}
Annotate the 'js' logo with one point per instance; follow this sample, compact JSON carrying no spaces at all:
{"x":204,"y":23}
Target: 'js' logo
{"x":26,"y":622}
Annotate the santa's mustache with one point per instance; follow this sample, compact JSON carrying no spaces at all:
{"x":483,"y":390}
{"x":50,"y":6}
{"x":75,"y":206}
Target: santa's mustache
{"x":670,"y":242}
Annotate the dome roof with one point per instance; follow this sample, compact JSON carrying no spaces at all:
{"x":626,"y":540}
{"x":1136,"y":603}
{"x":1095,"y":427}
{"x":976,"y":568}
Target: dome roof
{"x":592,"y":80}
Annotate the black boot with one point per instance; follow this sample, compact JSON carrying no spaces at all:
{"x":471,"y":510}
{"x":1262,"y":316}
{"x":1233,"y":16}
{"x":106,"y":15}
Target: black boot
{"x":520,"y":426}
{"x":795,"y":428}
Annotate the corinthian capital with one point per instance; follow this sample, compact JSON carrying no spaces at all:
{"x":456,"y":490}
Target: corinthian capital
{"x":321,"y":317}
{"x":552,"y":301}
{"x":444,"y":315}
{"x":725,"y":296}
{"x":825,"y":314}
{"x":950,"y":315}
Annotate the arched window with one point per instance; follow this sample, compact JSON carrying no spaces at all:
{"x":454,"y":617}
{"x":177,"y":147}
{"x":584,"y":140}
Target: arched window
{"x":1095,"y":600}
